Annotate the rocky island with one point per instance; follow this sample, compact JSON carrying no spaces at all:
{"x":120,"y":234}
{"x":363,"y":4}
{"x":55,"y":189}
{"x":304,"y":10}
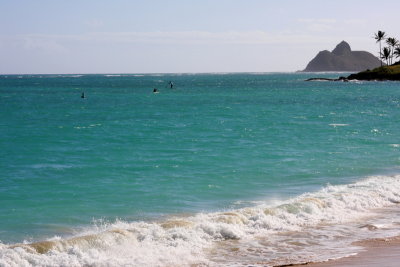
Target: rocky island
{"x":342,"y":58}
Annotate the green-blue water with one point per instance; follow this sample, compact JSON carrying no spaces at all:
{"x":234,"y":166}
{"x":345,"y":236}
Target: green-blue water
{"x":213,"y":142}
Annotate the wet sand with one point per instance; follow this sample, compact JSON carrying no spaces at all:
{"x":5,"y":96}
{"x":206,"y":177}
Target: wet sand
{"x":378,"y":252}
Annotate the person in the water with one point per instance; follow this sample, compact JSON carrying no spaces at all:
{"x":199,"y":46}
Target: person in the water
{"x":155,"y":90}
{"x":171,"y":85}
{"x":83,"y":95}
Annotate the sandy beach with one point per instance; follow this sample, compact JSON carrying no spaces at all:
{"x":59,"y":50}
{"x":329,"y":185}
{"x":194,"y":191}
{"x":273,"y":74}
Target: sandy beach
{"x":378,"y":252}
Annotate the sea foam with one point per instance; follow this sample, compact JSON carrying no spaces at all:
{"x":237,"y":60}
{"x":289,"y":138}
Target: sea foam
{"x":282,"y":233}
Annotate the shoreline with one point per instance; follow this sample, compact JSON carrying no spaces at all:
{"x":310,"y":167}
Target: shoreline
{"x":383,"y":73}
{"x":376,"y":252}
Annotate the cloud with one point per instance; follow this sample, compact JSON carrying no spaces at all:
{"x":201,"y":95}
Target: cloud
{"x":189,"y":37}
{"x":60,"y":42}
{"x":319,"y":21}
{"x":94,"y":23}
{"x":355,"y":22}
{"x":42,"y":43}
{"x":318,"y":25}
{"x":32,"y":43}
{"x":193,"y":51}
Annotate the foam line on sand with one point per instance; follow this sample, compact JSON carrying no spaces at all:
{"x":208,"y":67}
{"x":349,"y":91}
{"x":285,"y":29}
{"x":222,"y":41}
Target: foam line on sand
{"x":377,"y":252}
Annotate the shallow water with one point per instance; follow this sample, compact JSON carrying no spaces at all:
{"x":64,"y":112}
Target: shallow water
{"x":214,"y":169}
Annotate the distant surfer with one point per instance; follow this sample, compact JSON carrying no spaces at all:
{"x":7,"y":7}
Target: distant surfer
{"x":83,"y":95}
{"x":155,"y":91}
{"x":171,"y":84}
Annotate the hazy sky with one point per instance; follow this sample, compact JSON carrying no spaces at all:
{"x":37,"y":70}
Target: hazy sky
{"x":121,"y":36}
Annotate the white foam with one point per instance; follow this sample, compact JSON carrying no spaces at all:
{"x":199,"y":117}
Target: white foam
{"x":292,"y":228}
{"x":338,"y":124}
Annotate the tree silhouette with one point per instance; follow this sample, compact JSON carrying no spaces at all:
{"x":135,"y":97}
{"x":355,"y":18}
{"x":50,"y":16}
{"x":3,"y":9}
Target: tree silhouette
{"x":379,"y":36}
{"x":397,"y":51}
{"x":392,"y":42}
{"x":386,"y":54}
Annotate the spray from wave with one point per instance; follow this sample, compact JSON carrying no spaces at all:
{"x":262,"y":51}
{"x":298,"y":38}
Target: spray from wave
{"x":262,"y":235}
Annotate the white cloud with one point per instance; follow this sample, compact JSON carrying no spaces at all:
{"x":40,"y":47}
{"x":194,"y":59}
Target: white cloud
{"x":311,"y":20}
{"x":318,"y":25}
{"x":42,"y":43}
{"x":59,"y":42}
{"x":193,"y":51}
{"x":355,"y":22}
{"x":94,"y":23}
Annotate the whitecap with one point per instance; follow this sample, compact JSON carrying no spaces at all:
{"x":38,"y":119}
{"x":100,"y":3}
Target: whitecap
{"x":288,"y":231}
{"x":338,"y":124}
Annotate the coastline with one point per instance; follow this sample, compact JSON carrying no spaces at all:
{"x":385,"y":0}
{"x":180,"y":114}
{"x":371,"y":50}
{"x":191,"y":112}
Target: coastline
{"x":384,"y":73}
{"x":376,"y":252}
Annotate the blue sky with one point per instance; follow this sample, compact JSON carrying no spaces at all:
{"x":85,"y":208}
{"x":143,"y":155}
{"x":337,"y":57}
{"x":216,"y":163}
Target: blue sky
{"x":151,"y":36}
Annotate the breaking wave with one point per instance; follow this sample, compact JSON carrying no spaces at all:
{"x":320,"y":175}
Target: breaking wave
{"x":264,"y":235}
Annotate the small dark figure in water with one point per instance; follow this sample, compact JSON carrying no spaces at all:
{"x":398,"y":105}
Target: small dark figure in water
{"x":155,"y":90}
{"x":83,"y":95}
{"x":171,"y":85}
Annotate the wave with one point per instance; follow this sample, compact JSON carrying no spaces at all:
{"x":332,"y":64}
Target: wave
{"x":292,"y":231}
{"x":338,"y":124}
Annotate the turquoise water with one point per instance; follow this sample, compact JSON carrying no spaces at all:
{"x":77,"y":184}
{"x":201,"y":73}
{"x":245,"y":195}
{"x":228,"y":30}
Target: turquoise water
{"x":215,"y":142}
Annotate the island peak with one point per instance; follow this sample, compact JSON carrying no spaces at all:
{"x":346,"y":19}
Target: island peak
{"x":342,"y":58}
{"x":342,"y":48}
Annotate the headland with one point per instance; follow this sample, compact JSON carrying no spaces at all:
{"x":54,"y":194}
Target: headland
{"x":384,"y":73}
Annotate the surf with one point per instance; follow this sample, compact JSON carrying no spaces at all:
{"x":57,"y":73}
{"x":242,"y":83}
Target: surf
{"x":280,"y":233}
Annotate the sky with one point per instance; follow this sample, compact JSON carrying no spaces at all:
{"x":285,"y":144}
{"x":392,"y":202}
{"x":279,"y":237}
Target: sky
{"x":183,"y":36}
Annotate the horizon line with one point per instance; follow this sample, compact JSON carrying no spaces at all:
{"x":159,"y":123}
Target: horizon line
{"x":153,"y":73}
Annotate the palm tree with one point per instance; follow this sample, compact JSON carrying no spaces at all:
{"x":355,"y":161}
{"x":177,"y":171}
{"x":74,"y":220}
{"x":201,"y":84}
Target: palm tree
{"x":379,"y":37}
{"x":386,"y":54}
{"x":392,"y":42}
{"x":397,"y":51}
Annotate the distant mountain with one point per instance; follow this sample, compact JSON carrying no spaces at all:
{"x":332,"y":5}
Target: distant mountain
{"x":342,"y":59}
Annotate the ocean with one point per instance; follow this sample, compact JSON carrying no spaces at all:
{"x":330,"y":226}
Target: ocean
{"x":222,"y":169}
